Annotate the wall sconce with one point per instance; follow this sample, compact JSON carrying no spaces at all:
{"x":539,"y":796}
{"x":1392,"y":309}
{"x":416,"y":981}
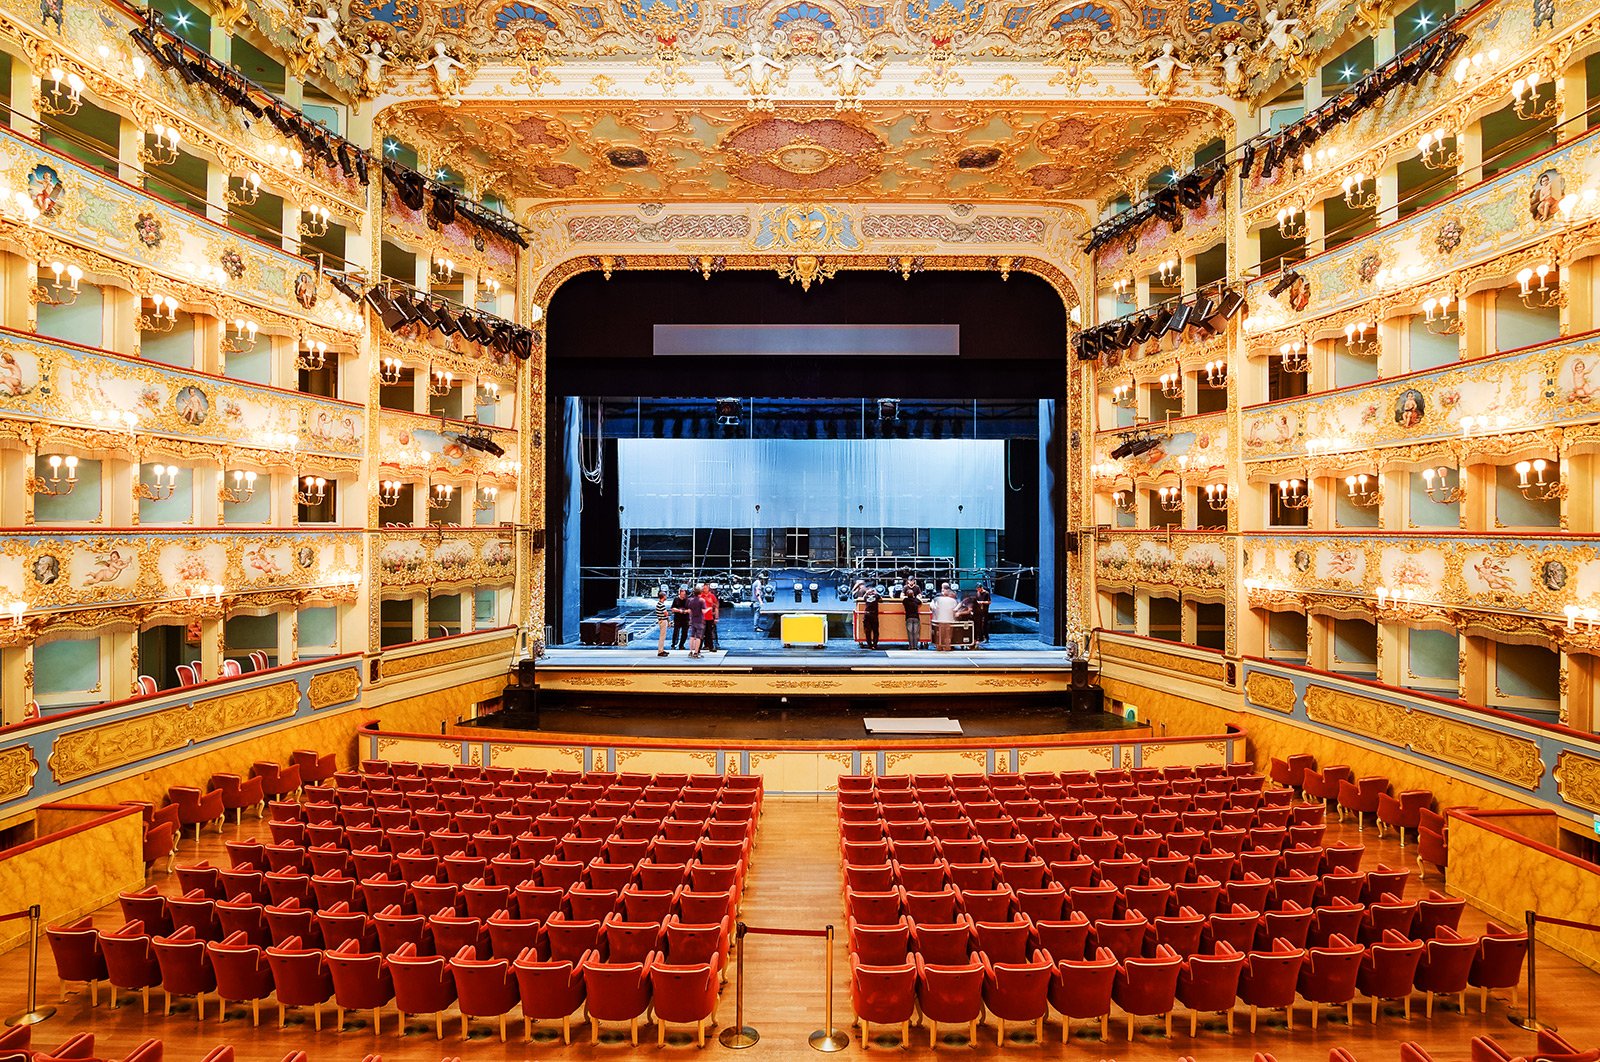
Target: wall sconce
{"x":1364,"y":490}
{"x":1398,"y":602}
{"x":1292,"y":223}
{"x":1484,"y":425}
{"x":314,"y":221}
{"x":389,"y":370}
{"x":1213,"y":376}
{"x":1172,"y":382}
{"x":1432,"y":153}
{"x":1171,"y":498}
{"x":1540,"y":287}
{"x":389,"y":493}
{"x":17,"y":205}
{"x":486,"y":498}
{"x":1360,"y":192}
{"x":488,"y":289}
{"x":205,"y":597}
{"x":443,"y":270}
{"x":1442,"y":316}
{"x":61,"y":290}
{"x":313,"y":490}
{"x":1476,"y":64}
{"x":1436,"y":481}
{"x":277,"y":440}
{"x":16,"y":610}
{"x":244,"y":487}
{"x":1122,"y":286}
{"x":240,"y":336}
{"x":312,"y":355}
{"x":1578,"y":203}
{"x":1539,"y":488}
{"x":248,"y":193}
{"x":1574,"y":614}
{"x":159,"y":146}
{"x":63,"y":95}
{"x":1525,"y":96}
{"x":1167,"y":272}
{"x":115,"y":419}
{"x":1293,"y":494}
{"x":488,"y":392}
{"x":162,"y":315}
{"x":1122,"y":395}
{"x":440,"y":495}
{"x":440,"y":382}
{"x":163,"y":482}
{"x":1295,"y":357}
{"x":203,"y":273}
{"x":1320,"y":161}
{"x":1124,"y":500}
{"x":346,"y":582}
{"x":1218,"y":496}
{"x":1361,"y":339}
{"x":62,"y":478}
{"x":285,"y":157}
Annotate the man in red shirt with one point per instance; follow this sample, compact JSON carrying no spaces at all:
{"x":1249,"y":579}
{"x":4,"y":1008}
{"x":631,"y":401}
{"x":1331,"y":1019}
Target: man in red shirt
{"x":709,"y":596}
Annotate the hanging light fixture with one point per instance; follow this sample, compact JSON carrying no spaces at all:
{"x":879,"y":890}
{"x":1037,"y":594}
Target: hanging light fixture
{"x":61,"y":94}
{"x":440,"y":495}
{"x":1441,"y":316}
{"x":248,"y":190}
{"x":1293,"y":494}
{"x":1295,"y":356}
{"x":1360,"y":192}
{"x":1541,"y":287}
{"x":1433,"y":154}
{"x":314,"y":221}
{"x":389,"y":370}
{"x":312,"y":355}
{"x":389,"y":493}
{"x":1292,"y":222}
{"x":440,"y":382}
{"x":1361,"y":339}
{"x":312,"y":490}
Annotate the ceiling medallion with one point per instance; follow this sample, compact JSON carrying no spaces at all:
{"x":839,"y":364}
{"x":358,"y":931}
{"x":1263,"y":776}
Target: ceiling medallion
{"x":803,"y":157}
{"x":807,"y":269}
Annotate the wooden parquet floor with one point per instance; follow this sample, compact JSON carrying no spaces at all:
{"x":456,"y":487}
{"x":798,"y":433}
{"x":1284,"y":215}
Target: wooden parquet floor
{"x":795,"y":882}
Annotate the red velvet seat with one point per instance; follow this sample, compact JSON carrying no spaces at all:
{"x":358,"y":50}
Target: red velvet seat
{"x":237,"y":793}
{"x":360,"y":982}
{"x":1341,"y":917}
{"x":1389,"y":970}
{"x":76,"y":948}
{"x":1360,"y":795}
{"x":1018,"y":991}
{"x":883,"y":995}
{"x":1270,"y":979}
{"x":945,"y":943}
{"x":1064,"y":939}
{"x":1432,"y":849}
{"x":616,"y":992}
{"x":276,"y":780}
{"x":242,"y":972}
{"x":196,"y":808}
{"x":1498,"y":964}
{"x":1329,"y":974}
{"x":1082,"y":988}
{"x":1210,"y":983}
{"x":878,"y":945}
{"x":185,"y":969}
{"x":549,"y":990}
{"x":422,"y":985}
{"x":1146,"y":986}
{"x":1445,"y":966}
{"x":683,"y":994}
{"x":1403,"y":811}
{"x":130,"y":962}
{"x":315,"y":768}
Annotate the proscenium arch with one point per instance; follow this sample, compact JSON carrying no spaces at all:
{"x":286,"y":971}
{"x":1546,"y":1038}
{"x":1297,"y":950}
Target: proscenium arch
{"x":1068,"y":607}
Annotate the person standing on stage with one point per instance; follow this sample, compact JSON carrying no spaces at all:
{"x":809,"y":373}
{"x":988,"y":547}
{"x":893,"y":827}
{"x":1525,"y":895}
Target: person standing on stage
{"x":697,"y":624}
{"x":709,"y":596}
{"x":913,"y":606}
{"x":680,"y":619}
{"x":869,"y":616}
{"x":663,"y":618}
{"x":980,"y":615}
{"x":944,"y":619}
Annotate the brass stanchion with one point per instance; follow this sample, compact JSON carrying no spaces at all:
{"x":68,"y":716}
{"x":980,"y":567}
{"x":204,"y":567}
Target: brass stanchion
{"x":34,"y":1014}
{"x":827,"y":1038}
{"x":1530,"y":1020}
{"x":740,"y":1035}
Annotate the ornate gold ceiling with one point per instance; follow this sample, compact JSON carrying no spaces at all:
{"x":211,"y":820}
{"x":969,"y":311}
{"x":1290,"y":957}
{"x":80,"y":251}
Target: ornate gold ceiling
{"x":681,"y":152}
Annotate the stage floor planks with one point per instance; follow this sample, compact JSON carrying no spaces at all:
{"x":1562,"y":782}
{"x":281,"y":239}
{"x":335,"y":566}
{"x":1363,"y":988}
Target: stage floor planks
{"x":795,"y":882}
{"x":842,"y":656}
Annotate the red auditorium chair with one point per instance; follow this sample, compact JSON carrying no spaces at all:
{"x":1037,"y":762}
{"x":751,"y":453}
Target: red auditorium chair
{"x":1180,"y":931}
{"x":683,"y":994}
{"x":160,"y":842}
{"x":883,"y":995}
{"x":1329,"y":976}
{"x":1402,"y":811}
{"x":880,"y":945}
{"x":242,"y":972}
{"x":1123,"y":937}
{"x":80,"y":1046}
{"x":1341,"y":917}
{"x":1360,"y":795}
{"x":1290,"y":772}
{"x":549,"y":990}
{"x":1210,"y":984}
{"x":1270,"y":979}
{"x":1389,"y":970}
{"x":1498,"y":964}
{"x":237,"y":794}
{"x":360,"y":982}
{"x":195,"y":808}
{"x":510,"y":937}
{"x":276,"y":780}
{"x":301,"y":977}
{"x":1323,"y":785}
{"x":76,"y":948}
{"x":1435,"y":910}
{"x":185,"y":969}
{"x":1384,"y":880}
{"x":130,"y":962}
{"x":1082,"y":988}
{"x":1148,"y":986}
{"x":1445,"y":966}
{"x":615,"y":992}
{"x":1432,"y":848}
{"x":1018,"y":992}
{"x":951,"y":994}
{"x":422,"y":985}
{"x":315,"y":768}
{"x":1065,"y":939}
{"x":1291,"y":923}
{"x":244,"y":915}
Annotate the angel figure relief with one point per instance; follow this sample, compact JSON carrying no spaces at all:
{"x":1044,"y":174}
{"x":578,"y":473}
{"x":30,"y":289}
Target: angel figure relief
{"x":1230,"y":62}
{"x":851,"y":72}
{"x":1280,"y":34}
{"x":1161,"y":73}
{"x":447,"y":73}
{"x":760,"y":73}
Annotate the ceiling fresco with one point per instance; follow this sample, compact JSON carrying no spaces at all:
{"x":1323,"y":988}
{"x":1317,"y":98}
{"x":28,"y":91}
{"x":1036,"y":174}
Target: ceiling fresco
{"x":684,"y":152}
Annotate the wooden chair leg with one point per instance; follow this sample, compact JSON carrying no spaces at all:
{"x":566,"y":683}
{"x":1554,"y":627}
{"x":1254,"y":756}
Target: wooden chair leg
{"x":316,"y":1016}
{"x":1001,"y":1041}
{"x":1105,"y":1022}
{"x":145,"y":993}
{"x":1350,"y":1011}
{"x":1252,"y":1017}
{"x":1194,"y":1023}
{"x":1230,"y":1019}
{"x":280,"y":1015}
{"x":1130,"y":1028}
{"x":661,"y":1034}
{"x":933,"y":1033}
{"x":255,"y":1012}
{"x":594,"y":1031}
{"x":1288,"y":1015}
{"x":1315,"y":1007}
{"x":633,"y":1030}
{"x":502,"y":1028}
{"x":1430,"y":1005}
{"x":438,"y":1025}
{"x":1374,"y":1010}
{"x":905,"y":1034}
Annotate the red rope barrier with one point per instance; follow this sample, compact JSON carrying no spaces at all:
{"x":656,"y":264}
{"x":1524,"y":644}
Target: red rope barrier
{"x":14,"y":915}
{"x":1567,"y":922}
{"x":787,"y":932}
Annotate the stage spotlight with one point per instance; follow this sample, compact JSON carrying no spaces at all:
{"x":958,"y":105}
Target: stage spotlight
{"x":729,"y":411}
{"x":888,"y":409}
{"x":1228,"y":304}
{"x":1135,"y":446}
{"x":444,"y":206}
{"x":799,"y":591}
{"x":1180,"y":317}
{"x":447,"y":324}
{"x":1160,"y":321}
{"x":522,"y":344}
{"x":814,"y":588}
{"x":1282,"y":284}
{"x":345,"y":286}
{"x":426,"y":314}
{"x":502,"y":337}
{"x":1200,"y":314}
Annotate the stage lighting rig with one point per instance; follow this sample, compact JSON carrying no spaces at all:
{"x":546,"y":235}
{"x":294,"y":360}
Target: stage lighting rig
{"x":1135,"y":445}
{"x":476,"y":437}
{"x":888,"y":409}
{"x":729,"y":412}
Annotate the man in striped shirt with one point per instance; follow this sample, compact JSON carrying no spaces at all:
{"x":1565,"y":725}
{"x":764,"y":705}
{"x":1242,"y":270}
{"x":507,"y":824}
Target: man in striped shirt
{"x":663,"y":621}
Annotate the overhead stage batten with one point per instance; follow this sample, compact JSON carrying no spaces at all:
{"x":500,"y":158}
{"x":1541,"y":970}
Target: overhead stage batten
{"x":808,"y":340}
